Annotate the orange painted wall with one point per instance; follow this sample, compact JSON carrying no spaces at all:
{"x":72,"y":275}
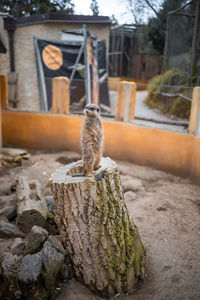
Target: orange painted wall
{"x":170,"y":151}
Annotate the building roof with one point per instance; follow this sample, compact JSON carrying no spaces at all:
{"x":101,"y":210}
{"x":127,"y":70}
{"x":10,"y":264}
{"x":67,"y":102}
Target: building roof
{"x":61,"y":17}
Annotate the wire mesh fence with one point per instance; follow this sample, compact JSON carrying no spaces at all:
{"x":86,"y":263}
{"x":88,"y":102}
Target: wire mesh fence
{"x":182,"y":41}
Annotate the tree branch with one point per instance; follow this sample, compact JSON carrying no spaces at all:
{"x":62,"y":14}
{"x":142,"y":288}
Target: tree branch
{"x":151,"y":6}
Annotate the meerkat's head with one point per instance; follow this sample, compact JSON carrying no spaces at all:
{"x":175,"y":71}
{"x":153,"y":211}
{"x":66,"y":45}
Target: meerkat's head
{"x":91,"y":110}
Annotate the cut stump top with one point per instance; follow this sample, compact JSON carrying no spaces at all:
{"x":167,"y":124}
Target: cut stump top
{"x":73,"y":172}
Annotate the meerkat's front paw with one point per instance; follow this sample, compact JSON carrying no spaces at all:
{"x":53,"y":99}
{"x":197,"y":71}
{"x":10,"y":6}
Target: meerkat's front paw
{"x":97,"y":167}
{"x":89,"y":174}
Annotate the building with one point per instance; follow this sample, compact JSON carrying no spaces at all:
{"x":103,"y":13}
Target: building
{"x":127,"y":57}
{"x":19,"y":34}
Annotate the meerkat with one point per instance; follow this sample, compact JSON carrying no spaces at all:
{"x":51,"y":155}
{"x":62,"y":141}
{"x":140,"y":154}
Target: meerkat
{"x":91,"y":139}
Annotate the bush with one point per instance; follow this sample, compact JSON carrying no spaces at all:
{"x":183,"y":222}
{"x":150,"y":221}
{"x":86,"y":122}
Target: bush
{"x":176,"y":106}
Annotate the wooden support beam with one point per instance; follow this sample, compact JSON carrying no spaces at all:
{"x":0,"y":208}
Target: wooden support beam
{"x":61,"y":98}
{"x":126,"y":101}
{"x":4,"y":91}
{"x":194,"y":123}
{"x":3,"y":100}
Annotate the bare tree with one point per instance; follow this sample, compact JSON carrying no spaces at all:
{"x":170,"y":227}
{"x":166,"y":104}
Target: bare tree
{"x":143,"y":9}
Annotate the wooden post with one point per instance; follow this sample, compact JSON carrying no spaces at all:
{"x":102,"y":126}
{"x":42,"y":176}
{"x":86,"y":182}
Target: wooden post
{"x":104,"y":245}
{"x":0,"y":122}
{"x":194,"y":124}
{"x":61,"y":98}
{"x":95,"y":77}
{"x":3,"y":100}
{"x":126,"y":101}
{"x":4,"y":91}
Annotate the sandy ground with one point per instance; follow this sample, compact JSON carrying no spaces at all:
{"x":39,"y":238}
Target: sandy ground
{"x":166,"y":209}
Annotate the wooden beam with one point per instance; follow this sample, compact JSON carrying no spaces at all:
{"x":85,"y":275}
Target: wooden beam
{"x":61,"y":98}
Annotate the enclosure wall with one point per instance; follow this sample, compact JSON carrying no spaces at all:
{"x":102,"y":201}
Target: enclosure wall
{"x":170,"y":151}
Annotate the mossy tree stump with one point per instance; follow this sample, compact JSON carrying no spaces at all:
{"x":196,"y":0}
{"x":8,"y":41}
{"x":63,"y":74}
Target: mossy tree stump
{"x":103,"y":243}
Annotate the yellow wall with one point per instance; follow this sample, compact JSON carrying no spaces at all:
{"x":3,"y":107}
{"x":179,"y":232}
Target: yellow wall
{"x":170,"y":151}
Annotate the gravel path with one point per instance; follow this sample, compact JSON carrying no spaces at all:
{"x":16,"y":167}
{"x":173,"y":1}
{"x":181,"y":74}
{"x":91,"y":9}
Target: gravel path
{"x":143,"y":111}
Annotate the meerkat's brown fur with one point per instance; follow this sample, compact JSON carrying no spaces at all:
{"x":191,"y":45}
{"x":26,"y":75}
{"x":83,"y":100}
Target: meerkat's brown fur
{"x":91,"y":139}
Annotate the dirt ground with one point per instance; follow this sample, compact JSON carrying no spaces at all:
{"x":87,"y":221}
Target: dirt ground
{"x":166,"y":209}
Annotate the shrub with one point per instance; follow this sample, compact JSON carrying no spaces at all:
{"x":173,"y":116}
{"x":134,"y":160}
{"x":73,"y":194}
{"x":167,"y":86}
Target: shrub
{"x":176,"y":106}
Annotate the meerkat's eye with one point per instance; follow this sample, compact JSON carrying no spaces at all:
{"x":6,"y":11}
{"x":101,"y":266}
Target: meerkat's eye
{"x":97,"y":109}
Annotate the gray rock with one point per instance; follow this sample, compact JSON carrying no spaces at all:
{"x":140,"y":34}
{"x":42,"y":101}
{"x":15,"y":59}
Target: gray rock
{"x":30,"y":268}
{"x":36,"y":239}
{"x":39,"y":230}
{"x":18,"y":247}
{"x":56,"y":244}
{"x":133,"y":185}
{"x":8,"y":230}
{"x":129,"y":196}
{"x":9,"y":267}
{"x":50,"y":204}
{"x":52,"y":261}
{"x":9,"y":212}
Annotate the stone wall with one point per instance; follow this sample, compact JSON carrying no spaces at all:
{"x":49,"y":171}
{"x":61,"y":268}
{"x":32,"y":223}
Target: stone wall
{"x":25,"y":60}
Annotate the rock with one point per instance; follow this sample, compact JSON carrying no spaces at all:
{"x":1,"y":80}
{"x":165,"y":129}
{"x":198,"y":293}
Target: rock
{"x":65,"y":272}
{"x":129,"y":196}
{"x":51,"y":225}
{"x":9,"y":212}
{"x":39,"y":230}
{"x":160,"y":208}
{"x":133,"y":185}
{"x":9,"y":267}
{"x":8,"y":230}
{"x":52,"y":259}
{"x":30,"y":268}
{"x":56,"y":244}
{"x":50,"y":204}
{"x":12,"y":157}
{"x":18,"y":247}
{"x":36,"y":239}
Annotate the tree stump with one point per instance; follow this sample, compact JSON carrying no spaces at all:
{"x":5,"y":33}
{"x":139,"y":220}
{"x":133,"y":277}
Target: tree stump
{"x":104,"y":245}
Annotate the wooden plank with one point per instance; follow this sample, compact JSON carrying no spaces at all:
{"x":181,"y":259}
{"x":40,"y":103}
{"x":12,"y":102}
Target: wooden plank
{"x":61,"y":98}
{"x":126,"y":101}
{"x":4,"y":91}
{"x":194,"y":124}
{"x":95,"y":78}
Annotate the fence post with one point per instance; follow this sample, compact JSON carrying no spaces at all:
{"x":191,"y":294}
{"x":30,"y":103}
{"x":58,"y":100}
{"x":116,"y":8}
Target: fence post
{"x":194,"y":124}
{"x":126,"y":101}
{"x":61,"y":98}
{"x":3,"y":100}
{"x":0,"y":118}
{"x":4,"y":91}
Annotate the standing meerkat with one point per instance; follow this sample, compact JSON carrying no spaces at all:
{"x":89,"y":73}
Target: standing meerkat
{"x":91,"y":139}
